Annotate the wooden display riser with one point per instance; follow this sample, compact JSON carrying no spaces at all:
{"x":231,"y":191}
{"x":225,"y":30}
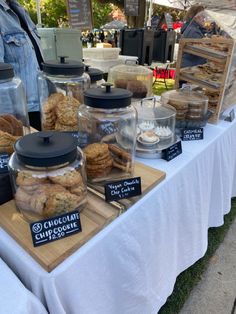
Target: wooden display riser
{"x":94,"y":218}
{"x":150,"y":177}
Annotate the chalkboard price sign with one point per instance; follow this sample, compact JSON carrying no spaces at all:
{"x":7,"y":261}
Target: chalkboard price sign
{"x":56,"y":228}
{"x":123,"y":189}
{"x":4,"y":158}
{"x":231,"y":116}
{"x":192,"y":134}
{"x":131,"y":7}
{"x":172,"y":151}
{"x":80,"y":14}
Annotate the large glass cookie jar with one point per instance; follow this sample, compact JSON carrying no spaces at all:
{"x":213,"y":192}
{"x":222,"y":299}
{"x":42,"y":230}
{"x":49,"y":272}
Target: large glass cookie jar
{"x":156,"y":126}
{"x":48,"y":175}
{"x":103,"y":119}
{"x":133,"y":77}
{"x":14,"y":120}
{"x":61,"y":88}
{"x":191,"y":106}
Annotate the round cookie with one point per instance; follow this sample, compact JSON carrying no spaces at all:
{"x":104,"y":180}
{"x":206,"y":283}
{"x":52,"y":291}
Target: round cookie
{"x":95,"y":151}
{"x":68,"y":179}
{"x":26,"y":178}
{"x":59,"y":203}
{"x":5,"y":126}
{"x":16,"y":124}
{"x":66,"y":114}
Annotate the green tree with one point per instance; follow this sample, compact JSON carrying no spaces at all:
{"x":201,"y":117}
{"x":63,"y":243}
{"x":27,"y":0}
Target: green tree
{"x":101,"y":13}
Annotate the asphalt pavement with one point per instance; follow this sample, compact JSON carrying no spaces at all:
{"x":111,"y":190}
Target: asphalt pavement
{"x":216,"y":292}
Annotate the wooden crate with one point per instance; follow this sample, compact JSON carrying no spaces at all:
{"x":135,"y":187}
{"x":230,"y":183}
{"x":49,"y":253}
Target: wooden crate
{"x":207,"y":48}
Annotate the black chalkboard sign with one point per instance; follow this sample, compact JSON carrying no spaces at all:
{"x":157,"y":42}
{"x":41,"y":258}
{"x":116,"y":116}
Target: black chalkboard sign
{"x":131,"y":7}
{"x":231,"y":116}
{"x":4,"y":158}
{"x":123,"y":189}
{"x":192,"y":134}
{"x":80,"y":14}
{"x":169,"y":21}
{"x":172,"y":151}
{"x":56,"y":228}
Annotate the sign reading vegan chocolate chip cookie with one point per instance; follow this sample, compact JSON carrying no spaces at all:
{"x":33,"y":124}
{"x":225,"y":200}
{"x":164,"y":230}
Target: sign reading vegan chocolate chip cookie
{"x":59,"y":227}
{"x":123,"y":189}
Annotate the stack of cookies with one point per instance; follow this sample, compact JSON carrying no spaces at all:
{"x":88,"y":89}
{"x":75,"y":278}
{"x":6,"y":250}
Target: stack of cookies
{"x":137,"y":87}
{"x":102,"y":158}
{"x":60,"y":113}
{"x":49,"y":194}
{"x":121,"y":158}
{"x":11,"y":125}
{"x":10,"y":130}
{"x":7,"y":142}
{"x":181,"y":108}
{"x":99,"y":160}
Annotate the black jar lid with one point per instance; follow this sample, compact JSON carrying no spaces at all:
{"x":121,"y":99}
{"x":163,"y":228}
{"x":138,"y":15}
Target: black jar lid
{"x":63,"y":67}
{"x":46,"y":149}
{"x":95,"y":74}
{"x":6,"y":71}
{"x":107,"y":98}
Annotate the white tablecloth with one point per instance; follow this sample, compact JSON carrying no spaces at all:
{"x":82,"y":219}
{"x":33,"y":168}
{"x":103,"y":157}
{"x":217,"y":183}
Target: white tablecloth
{"x":131,"y":266}
{"x":14,"y":297}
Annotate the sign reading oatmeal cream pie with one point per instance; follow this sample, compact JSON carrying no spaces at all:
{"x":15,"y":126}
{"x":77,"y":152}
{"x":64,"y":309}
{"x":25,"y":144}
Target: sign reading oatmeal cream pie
{"x":56,"y":228}
{"x":193,"y":134}
{"x":172,"y":151}
{"x":123,"y":189}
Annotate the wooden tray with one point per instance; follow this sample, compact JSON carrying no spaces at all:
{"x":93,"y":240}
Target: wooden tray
{"x":150,"y":177}
{"x":94,"y":217}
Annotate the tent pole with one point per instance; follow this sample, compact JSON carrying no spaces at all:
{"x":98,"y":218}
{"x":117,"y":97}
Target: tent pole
{"x":39,"y":24}
{"x":150,"y":13}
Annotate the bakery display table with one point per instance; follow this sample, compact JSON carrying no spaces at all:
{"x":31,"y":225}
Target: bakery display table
{"x":131,"y":266}
{"x":14,"y":297}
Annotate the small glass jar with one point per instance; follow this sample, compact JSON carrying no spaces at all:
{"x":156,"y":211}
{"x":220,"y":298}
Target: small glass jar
{"x":156,"y":125}
{"x":48,"y":175}
{"x":133,"y":77}
{"x":14,"y":120}
{"x":107,"y":133}
{"x":191,"y":106}
{"x":61,"y":89}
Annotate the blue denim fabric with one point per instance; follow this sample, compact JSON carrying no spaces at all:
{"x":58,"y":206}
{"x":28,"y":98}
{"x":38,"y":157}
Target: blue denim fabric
{"x":16,"y":48}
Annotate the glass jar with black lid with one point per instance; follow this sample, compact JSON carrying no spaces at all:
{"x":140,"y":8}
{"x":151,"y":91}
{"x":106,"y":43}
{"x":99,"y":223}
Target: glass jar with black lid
{"x":107,"y":133}
{"x":61,"y":88}
{"x":48,"y":175}
{"x":14,"y":120}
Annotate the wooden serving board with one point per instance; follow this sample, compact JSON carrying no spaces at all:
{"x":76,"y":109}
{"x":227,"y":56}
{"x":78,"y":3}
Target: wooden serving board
{"x":150,"y":177}
{"x":94,"y":217}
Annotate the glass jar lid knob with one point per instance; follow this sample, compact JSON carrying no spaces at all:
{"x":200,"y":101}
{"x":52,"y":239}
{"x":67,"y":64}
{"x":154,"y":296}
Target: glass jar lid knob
{"x":45,"y":136}
{"x":107,"y":86}
{"x":63,"y":59}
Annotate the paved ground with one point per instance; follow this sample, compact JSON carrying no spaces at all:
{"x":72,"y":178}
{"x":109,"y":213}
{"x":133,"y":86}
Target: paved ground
{"x":216,"y":292}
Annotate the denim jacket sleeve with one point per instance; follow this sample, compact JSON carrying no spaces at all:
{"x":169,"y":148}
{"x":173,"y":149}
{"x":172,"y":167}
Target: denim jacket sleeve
{"x":16,"y":48}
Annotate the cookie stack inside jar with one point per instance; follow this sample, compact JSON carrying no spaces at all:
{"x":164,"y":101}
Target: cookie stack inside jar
{"x":61,"y":87}
{"x":14,"y":122}
{"x":133,"y":77}
{"x":48,"y":175}
{"x":104,"y":119}
{"x":191,"y":107}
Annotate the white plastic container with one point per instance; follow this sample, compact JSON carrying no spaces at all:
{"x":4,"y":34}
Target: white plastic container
{"x":101,"y":53}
